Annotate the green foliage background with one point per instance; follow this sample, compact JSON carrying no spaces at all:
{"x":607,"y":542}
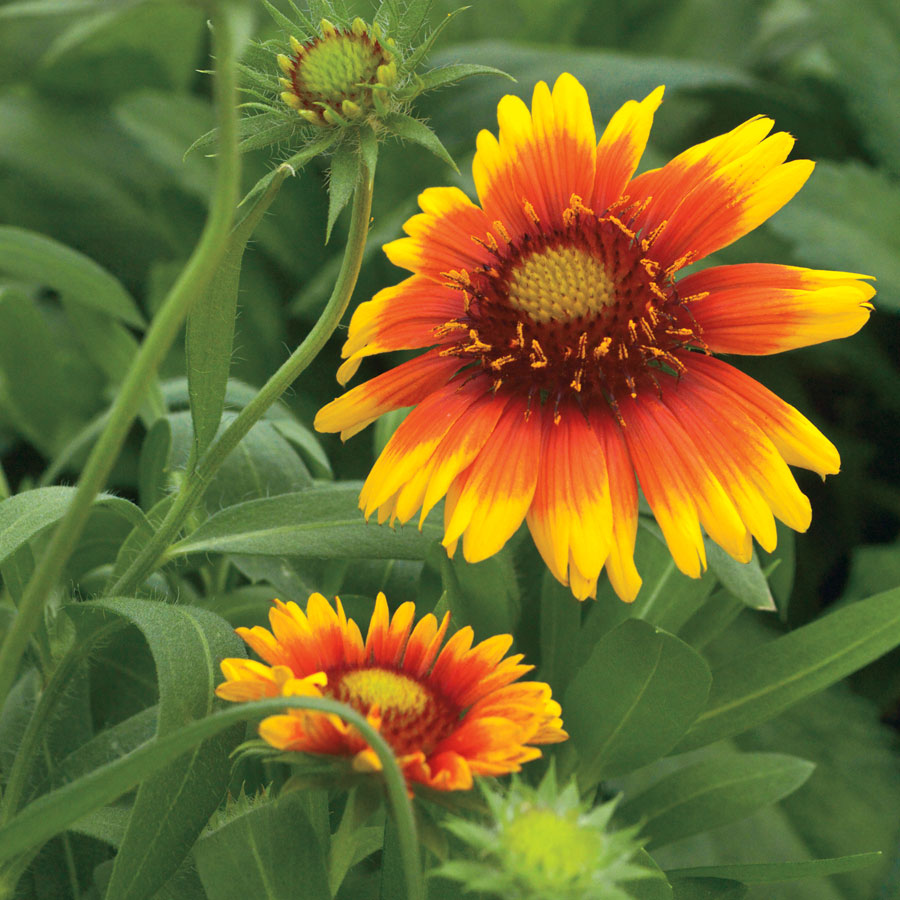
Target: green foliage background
{"x":98,"y":105}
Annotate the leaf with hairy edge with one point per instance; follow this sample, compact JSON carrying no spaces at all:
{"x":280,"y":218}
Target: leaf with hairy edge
{"x":323,"y":522}
{"x":270,"y":851}
{"x":445,"y":75}
{"x":713,"y":792}
{"x":765,"y":681}
{"x":209,"y":335}
{"x":24,"y":516}
{"x":341,"y":183}
{"x":36,"y":259}
{"x":410,"y":129}
{"x":633,"y":699}
{"x":173,"y":805}
{"x":774,"y":873}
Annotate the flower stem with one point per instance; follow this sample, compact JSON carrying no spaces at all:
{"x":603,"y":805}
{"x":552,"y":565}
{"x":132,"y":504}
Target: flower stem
{"x":193,"y":279}
{"x":197,"y":481}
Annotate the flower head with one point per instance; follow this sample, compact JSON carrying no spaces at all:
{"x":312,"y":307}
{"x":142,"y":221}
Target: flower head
{"x":569,"y":363}
{"x":448,"y":714}
{"x":545,"y":844}
{"x":338,"y":75}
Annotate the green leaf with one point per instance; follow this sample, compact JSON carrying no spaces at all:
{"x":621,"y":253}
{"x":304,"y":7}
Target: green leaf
{"x":112,"y":348}
{"x":745,"y":580}
{"x":33,"y":258}
{"x":765,"y":681}
{"x":342,"y":180}
{"x":272,"y":851}
{"x":437,"y":78}
{"x":33,"y":387}
{"x":322,"y":522}
{"x":864,"y":42}
{"x":26,"y":515}
{"x":54,"y":812}
{"x":483,"y":595}
{"x":410,"y":129}
{"x":713,"y":792}
{"x":294,"y":163}
{"x":847,"y":217}
{"x":774,"y":873}
{"x":633,"y":699}
{"x":173,"y":805}
{"x":559,"y":626}
{"x":708,"y":889}
{"x":209,"y":335}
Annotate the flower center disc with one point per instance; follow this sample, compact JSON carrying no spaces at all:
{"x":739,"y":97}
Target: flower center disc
{"x":560,"y":283}
{"x":539,"y":842}
{"x":364,"y":688}
{"x":333,"y":68}
{"x":413,"y":718}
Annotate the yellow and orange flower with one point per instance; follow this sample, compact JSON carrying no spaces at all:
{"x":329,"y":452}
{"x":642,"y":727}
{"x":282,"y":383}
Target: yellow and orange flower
{"x":448,"y":714}
{"x":569,"y":364}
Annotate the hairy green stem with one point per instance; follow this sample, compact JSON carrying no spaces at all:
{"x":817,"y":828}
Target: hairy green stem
{"x":4,"y":485}
{"x":197,"y":481}
{"x":54,"y":812}
{"x":193,"y":279}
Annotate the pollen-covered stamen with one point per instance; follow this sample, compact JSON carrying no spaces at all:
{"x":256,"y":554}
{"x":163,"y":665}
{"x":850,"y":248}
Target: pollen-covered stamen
{"x":412,"y":716}
{"x":331,"y":79}
{"x":582,"y":310}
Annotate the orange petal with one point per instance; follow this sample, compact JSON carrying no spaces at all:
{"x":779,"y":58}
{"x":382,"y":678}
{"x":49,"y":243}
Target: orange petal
{"x":570,"y":516}
{"x":621,"y":147}
{"x":497,"y":488}
{"x":759,"y":308}
{"x":404,"y":385}
{"x":543,"y":156}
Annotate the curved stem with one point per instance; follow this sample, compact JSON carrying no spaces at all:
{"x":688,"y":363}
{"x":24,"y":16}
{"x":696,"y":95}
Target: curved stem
{"x":197,"y":481}
{"x":195,"y":276}
{"x":53,"y":812}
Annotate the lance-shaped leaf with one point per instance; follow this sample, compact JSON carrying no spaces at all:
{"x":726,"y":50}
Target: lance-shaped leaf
{"x":323,"y":522}
{"x":36,"y":259}
{"x":410,"y":129}
{"x":173,"y":805}
{"x":272,"y":851}
{"x":210,"y":325}
{"x":24,"y":516}
{"x":774,"y":873}
{"x":713,"y":792}
{"x":765,"y":681}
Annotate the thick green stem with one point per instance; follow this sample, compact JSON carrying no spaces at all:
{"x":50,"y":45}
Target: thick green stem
{"x":4,"y":485}
{"x":54,"y":812}
{"x":197,"y":481}
{"x":194,"y":278}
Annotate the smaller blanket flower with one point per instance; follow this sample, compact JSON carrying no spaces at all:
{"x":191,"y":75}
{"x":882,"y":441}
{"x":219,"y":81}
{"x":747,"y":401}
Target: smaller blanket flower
{"x":448,"y":713}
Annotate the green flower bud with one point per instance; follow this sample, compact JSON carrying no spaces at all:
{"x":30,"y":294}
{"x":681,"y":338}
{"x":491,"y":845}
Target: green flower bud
{"x":545,"y":844}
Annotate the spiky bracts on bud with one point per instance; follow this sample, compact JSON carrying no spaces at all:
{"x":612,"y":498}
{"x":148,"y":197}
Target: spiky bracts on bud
{"x":544,"y":843}
{"x":339,"y":76}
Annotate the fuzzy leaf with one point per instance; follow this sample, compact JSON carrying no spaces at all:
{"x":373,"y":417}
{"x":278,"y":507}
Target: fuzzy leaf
{"x":173,"y":805}
{"x":323,"y":522}
{"x":270,"y":851}
{"x":209,"y":335}
{"x":24,"y":516}
{"x":437,"y":78}
{"x":410,"y":129}
{"x":341,"y":183}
